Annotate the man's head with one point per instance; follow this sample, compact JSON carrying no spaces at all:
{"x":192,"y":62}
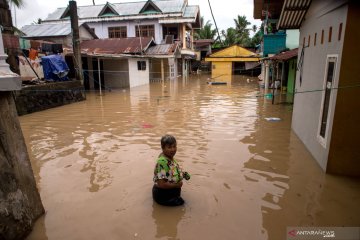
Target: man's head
{"x":168,"y":145}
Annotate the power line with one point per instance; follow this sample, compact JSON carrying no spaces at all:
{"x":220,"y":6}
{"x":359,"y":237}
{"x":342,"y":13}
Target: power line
{"x":215,"y":22}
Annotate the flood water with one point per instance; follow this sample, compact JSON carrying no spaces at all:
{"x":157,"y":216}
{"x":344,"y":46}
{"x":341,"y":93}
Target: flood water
{"x":250,"y":178}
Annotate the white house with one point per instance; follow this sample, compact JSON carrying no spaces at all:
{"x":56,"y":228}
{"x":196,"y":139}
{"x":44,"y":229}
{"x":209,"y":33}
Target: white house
{"x":326,"y":105}
{"x":167,"y":21}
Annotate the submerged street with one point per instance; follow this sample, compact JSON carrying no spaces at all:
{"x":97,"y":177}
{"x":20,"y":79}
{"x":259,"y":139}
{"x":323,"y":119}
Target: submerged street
{"x":250,"y":178}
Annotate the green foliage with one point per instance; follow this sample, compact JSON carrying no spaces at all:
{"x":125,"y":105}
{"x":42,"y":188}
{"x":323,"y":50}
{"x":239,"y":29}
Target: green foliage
{"x":229,"y":37}
{"x":17,"y":3}
{"x":206,"y":31}
{"x":241,"y":34}
{"x":242,"y":30}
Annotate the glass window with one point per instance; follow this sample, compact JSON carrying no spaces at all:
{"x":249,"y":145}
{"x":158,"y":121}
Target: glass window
{"x":329,"y":82}
{"x":117,"y":32}
{"x":141,"y":65}
{"x":145,"y":31}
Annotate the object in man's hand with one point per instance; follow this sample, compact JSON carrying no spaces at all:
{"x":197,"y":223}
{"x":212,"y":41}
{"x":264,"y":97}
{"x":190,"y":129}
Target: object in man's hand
{"x":186,"y":175}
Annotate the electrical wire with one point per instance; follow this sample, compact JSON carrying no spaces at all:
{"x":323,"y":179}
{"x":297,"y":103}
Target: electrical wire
{"x":215,"y":23}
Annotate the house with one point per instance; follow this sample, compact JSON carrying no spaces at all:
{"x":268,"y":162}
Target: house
{"x":60,"y":33}
{"x":114,"y":63}
{"x":274,"y":40}
{"x":232,"y":60}
{"x":284,"y":66}
{"x":325,"y":112}
{"x":167,"y":21}
{"x":164,"y":61}
{"x":203,"y":48}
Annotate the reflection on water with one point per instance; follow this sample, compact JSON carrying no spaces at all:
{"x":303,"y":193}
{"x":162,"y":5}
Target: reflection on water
{"x":166,"y":220}
{"x":251,"y":178}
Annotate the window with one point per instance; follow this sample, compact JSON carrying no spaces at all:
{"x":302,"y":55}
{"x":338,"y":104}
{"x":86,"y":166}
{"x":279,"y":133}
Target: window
{"x":322,"y":36}
{"x":309,"y":41}
{"x":328,"y":86}
{"x":172,"y":71}
{"x":340,"y":31}
{"x":145,"y":30}
{"x":141,"y":65}
{"x":117,"y":32}
{"x":315,"y":39}
{"x":330,"y":33}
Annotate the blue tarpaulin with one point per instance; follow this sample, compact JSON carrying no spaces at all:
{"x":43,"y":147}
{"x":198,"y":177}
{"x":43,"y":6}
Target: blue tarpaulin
{"x":55,"y":68}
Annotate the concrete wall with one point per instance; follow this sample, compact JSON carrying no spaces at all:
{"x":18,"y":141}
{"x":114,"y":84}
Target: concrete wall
{"x":20,"y":203}
{"x":344,"y":155}
{"x":116,"y":73}
{"x":138,"y":77}
{"x":292,"y":38}
{"x":308,"y":105}
{"x":41,"y":97}
{"x":84,"y":34}
{"x":101,"y":28}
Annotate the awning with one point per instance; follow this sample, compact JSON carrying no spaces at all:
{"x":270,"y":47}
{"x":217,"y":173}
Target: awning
{"x":293,"y":13}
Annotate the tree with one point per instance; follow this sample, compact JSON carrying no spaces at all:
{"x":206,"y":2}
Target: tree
{"x":206,"y":31}
{"x":38,"y":21}
{"x":242,"y":32}
{"x":17,"y":3}
{"x":93,"y":2}
{"x":229,"y":37}
{"x":254,"y":28}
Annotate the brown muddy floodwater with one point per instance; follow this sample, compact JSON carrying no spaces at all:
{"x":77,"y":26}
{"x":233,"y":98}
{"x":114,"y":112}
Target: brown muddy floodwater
{"x":251,"y":178}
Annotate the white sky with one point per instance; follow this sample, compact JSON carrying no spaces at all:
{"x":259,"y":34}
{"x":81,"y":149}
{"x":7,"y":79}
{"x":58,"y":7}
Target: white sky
{"x":224,"y":10}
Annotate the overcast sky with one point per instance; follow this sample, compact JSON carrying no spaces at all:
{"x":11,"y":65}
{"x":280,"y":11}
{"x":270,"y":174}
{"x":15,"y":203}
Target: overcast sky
{"x":224,"y":10}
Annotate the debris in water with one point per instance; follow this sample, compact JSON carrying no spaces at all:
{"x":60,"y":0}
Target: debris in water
{"x":272,"y":119}
{"x":146,"y":125}
{"x":216,"y":83}
{"x":268,"y":95}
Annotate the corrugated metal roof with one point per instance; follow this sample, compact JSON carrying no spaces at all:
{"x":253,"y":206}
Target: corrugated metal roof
{"x":116,"y":45}
{"x":46,"y":30}
{"x":293,"y":13}
{"x":126,"y":9}
{"x":191,"y":11}
{"x":284,"y":56}
{"x":162,"y":49}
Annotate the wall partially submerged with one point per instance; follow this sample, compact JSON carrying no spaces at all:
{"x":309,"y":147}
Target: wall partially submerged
{"x":41,"y":97}
{"x":20,"y":203}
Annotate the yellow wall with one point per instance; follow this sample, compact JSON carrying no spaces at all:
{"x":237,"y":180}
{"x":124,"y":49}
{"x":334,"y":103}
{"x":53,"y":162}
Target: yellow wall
{"x":221,"y":70}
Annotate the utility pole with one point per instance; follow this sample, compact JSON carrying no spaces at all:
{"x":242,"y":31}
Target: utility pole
{"x":76,"y":41}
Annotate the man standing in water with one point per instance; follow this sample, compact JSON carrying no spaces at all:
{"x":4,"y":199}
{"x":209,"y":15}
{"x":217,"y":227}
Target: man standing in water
{"x":168,"y":175}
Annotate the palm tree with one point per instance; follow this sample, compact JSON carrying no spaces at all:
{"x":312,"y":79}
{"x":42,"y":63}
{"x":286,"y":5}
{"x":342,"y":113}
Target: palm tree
{"x":242,"y":32}
{"x":206,"y":31}
{"x":254,"y":28}
{"x":229,"y":36}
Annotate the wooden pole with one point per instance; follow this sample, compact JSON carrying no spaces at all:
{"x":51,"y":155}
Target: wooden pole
{"x":162,"y":71}
{"x":99,"y":76}
{"x":76,"y":40}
